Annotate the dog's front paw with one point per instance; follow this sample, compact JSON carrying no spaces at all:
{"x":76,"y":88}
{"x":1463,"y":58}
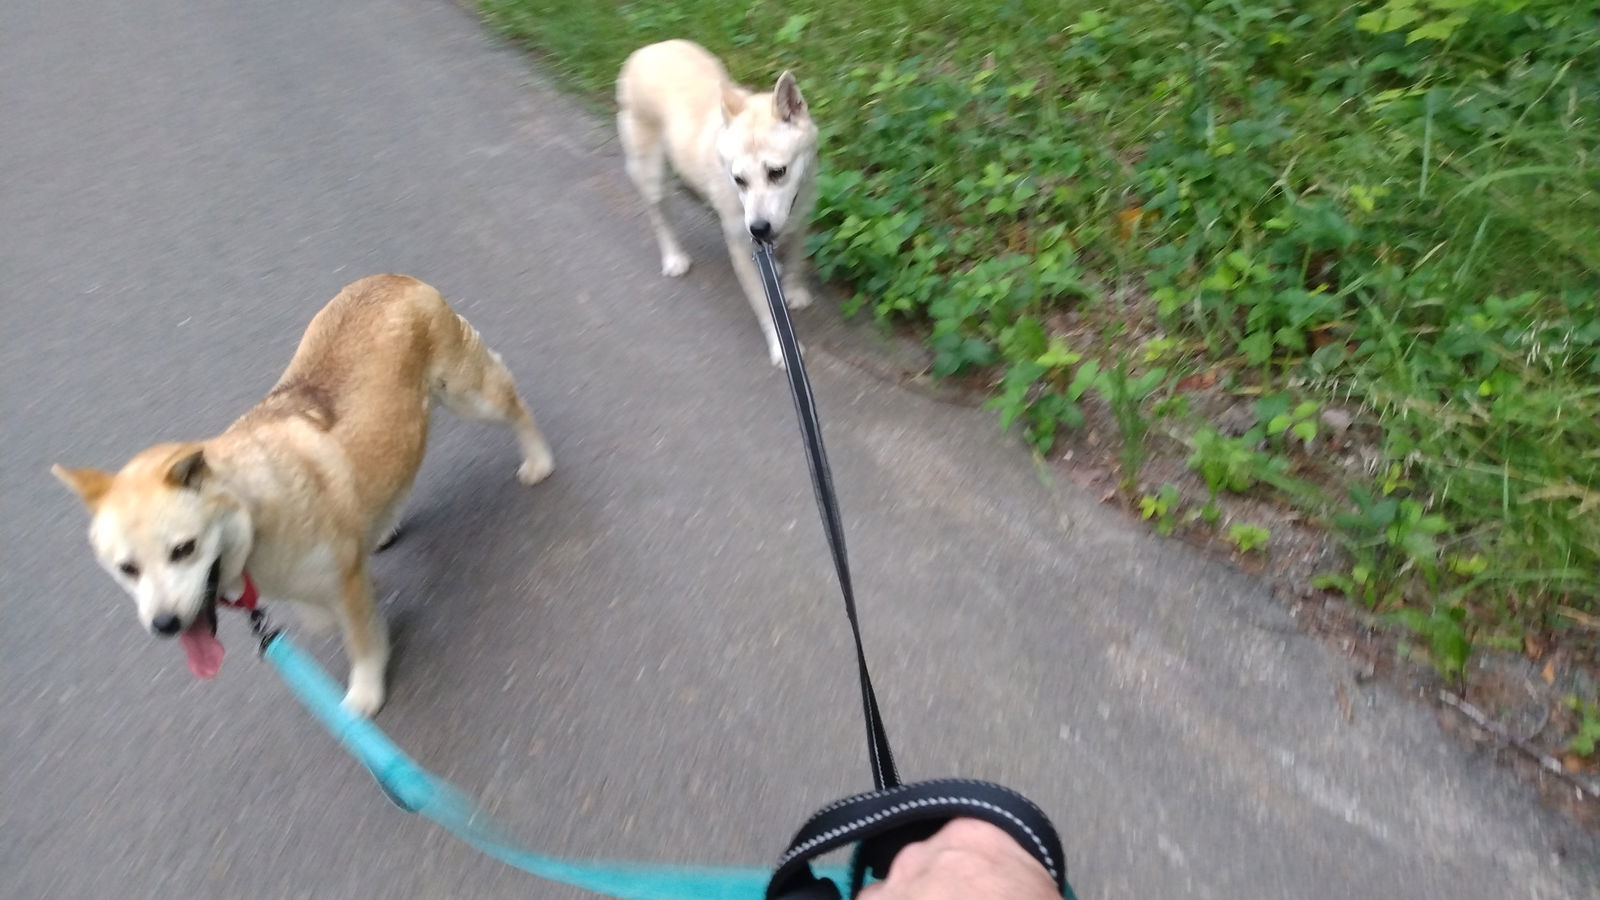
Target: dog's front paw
{"x":674,"y":264}
{"x":776,"y":354}
{"x":388,"y":540}
{"x":536,"y":469}
{"x":364,"y":698}
{"x":797,"y":296}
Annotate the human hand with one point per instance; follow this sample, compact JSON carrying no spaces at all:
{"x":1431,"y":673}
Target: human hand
{"x":966,"y":860}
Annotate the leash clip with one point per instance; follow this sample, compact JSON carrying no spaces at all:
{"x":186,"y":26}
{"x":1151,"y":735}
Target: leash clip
{"x":262,"y":630}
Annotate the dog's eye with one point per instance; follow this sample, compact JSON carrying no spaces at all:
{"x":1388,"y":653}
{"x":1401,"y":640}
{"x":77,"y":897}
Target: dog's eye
{"x":130,"y":569}
{"x":741,"y":182}
{"x":183,"y":551}
{"x":776,"y":174}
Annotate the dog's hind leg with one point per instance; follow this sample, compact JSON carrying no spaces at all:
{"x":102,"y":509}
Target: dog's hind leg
{"x":646,"y":154}
{"x":389,"y":525}
{"x":473,"y":382}
{"x":366,"y":641}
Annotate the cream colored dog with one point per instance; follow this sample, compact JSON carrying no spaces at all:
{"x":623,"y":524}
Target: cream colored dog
{"x":752,"y":157}
{"x":300,"y":490}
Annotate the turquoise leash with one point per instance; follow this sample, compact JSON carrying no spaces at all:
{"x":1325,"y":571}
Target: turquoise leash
{"x":878,"y":824}
{"x":414,"y":789}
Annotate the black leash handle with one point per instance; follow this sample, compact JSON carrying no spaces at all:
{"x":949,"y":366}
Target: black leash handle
{"x":883,"y":821}
{"x":884,"y":773}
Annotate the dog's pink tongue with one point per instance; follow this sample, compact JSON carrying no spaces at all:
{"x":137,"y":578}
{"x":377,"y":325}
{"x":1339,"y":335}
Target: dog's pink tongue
{"x":203,"y":649}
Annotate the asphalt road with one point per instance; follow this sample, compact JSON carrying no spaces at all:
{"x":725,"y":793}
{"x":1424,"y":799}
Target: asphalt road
{"x":644,"y":656}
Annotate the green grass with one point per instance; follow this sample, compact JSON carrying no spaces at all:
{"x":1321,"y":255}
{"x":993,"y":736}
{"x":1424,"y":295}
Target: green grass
{"x":1387,"y":207}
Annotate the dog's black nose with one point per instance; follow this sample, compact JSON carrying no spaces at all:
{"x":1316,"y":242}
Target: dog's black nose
{"x":761,"y":230}
{"x":166,"y":625}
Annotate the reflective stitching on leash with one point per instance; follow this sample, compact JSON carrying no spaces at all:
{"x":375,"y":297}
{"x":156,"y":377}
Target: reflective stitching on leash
{"x":999,"y":787}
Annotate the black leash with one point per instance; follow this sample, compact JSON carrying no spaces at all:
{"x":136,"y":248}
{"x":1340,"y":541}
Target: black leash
{"x":883,"y":821}
{"x":884,"y":774}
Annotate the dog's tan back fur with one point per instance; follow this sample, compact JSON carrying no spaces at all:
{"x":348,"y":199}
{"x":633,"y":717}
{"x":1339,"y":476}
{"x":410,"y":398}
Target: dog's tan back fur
{"x":363,"y":375}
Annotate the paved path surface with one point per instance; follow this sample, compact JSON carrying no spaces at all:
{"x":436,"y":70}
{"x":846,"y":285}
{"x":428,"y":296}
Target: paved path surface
{"x":642,"y":657}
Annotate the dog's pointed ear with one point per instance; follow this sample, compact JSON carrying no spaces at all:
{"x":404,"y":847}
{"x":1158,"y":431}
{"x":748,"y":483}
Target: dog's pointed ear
{"x":733,"y":101}
{"x":188,"y":470}
{"x":787,"y":102}
{"x":90,"y":485}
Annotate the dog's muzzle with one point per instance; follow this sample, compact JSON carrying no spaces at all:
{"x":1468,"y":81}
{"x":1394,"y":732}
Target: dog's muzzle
{"x":169,"y":625}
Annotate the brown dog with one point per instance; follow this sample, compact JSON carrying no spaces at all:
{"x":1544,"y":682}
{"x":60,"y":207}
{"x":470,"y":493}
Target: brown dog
{"x":300,"y":490}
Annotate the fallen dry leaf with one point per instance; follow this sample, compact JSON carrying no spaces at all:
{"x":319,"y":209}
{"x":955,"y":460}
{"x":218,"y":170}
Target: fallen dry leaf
{"x":1198,"y":381}
{"x":1582,"y":618}
{"x":1129,"y":219}
{"x":1533,"y":647}
{"x":1549,"y":672}
{"x":1017,"y":238}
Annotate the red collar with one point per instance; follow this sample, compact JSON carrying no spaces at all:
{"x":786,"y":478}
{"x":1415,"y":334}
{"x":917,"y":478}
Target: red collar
{"x":248,"y":599}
